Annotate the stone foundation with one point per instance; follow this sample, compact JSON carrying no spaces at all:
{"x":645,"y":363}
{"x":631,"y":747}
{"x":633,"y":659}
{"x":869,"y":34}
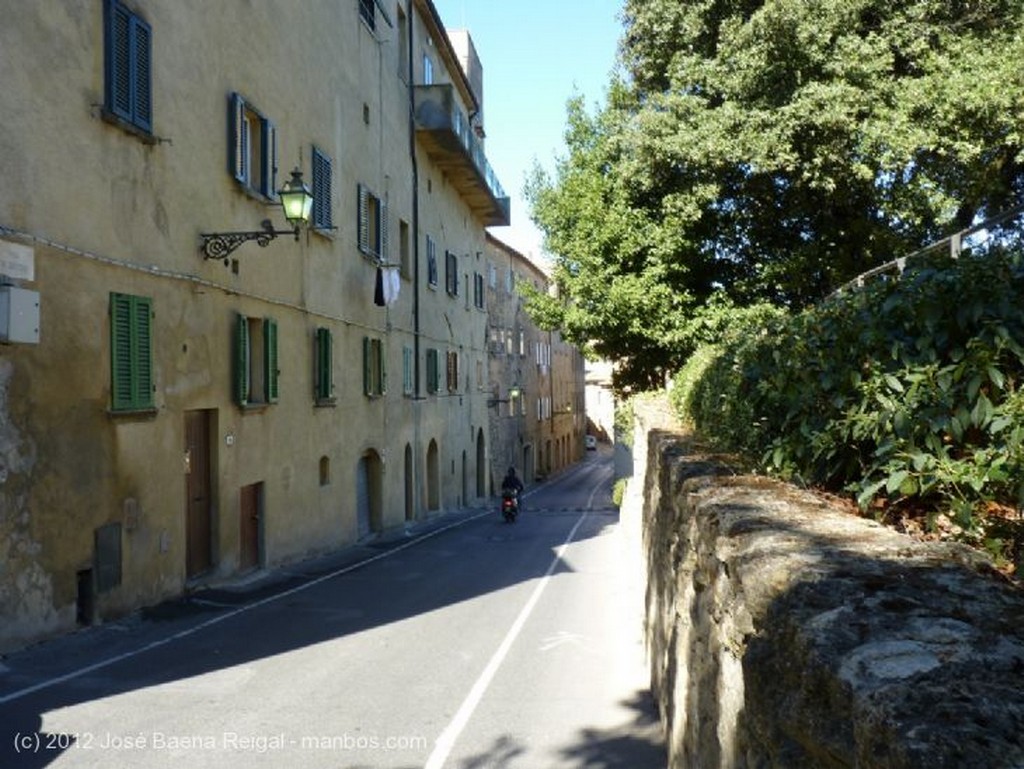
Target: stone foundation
{"x":785,"y":632}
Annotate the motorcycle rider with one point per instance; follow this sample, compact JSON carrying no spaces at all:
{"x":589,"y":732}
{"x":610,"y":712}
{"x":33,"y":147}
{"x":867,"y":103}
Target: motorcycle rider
{"x":512,"y":485}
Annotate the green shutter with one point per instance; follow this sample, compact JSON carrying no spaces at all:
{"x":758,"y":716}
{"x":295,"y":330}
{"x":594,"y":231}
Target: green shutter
{"x":432,"y":371}
{"x":270,"y":358}
{"x":131,"y":352}
{"x":366,"y":366}
{"x":241,"y":360}
{"x":382,"y":368}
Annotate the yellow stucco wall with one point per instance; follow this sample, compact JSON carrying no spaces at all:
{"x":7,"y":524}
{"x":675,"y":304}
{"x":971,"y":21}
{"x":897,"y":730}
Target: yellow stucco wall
{"x":105,"y":211}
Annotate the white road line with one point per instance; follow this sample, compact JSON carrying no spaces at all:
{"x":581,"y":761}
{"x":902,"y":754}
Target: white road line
{"x":446,"y":741}
{"x":15,"y":695}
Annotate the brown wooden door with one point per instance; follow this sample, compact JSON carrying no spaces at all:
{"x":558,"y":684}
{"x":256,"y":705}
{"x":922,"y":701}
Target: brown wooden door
{"x":249,"y":526}
{"x":198,"y":551}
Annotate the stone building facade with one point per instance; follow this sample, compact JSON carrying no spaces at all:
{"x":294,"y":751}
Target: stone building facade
{"x":179,"y":419}
{"x":537,"y":415}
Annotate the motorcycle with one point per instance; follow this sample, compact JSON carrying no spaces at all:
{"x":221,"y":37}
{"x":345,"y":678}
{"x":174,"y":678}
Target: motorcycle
{"x":509,"y":505}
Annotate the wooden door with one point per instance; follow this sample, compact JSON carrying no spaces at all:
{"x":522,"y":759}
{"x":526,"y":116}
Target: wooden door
{"x":198,"y":505}
{"x":249,"y":507}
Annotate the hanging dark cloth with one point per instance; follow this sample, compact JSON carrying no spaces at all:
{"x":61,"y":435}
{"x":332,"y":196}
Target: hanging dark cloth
{"x":378,"y":290}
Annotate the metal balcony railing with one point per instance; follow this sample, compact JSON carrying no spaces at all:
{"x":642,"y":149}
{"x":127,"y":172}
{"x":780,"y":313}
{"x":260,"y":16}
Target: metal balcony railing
{"x":454,"y":147}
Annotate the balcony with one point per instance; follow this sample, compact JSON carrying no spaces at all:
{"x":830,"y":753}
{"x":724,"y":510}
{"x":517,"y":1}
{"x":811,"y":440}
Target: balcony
{"x":454,"y":148}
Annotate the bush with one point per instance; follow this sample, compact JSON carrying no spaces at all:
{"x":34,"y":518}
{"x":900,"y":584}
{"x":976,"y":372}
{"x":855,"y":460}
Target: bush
{"x":905,"y":392}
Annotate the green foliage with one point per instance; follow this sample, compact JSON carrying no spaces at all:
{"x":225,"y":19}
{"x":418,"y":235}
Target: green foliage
{"x":772,"y":150}
{"x":906,"y":390}
{"x":619,"y":491}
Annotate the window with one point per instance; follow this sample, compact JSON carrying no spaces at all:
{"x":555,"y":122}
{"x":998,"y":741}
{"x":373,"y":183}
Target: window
{"x":478,"y":290}
{"x":403,"y":249}
{"x":403,"y":49}
{"x":366,"y":12}
{"x":452,"y":372}
{"x":408,"y":371}
{"x":256,"y":371}
{"x":128,"y":55}
{"x":431,"y":261}
{"x":252,"y":156}
{"x":492,"y":276}
{"x":433,"y":371}
{"x":374,"y":375}
{"x":131,"y":352}
{"x":451,"y":273}
{"x":428,"y":70}
{"x":323,"y":366}
{"x":373,"y":237}
{"x":322,"y":218}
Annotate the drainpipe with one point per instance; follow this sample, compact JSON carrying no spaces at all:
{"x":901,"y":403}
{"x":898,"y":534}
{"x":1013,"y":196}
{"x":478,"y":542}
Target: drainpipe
{"x":417,"y":392}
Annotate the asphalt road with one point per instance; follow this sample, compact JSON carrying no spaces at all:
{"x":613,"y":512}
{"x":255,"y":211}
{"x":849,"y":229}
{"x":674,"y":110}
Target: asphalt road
{"x":467,"y":643}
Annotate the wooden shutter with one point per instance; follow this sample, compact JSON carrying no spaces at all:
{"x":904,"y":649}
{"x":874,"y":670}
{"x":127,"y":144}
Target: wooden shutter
{"x":268,"y":184}
{"x":118,"y":59}
{"x":131,"y":353}
{"x":382,"y":228}
{"x":321,"y":190}
{"x":142,"y":78}
{"x":270,"y":358}
{"x":241,"y":360}
{"x":238,"y":134}
{"x":363,"y":219}
{"x":433,"y":375}
{"x":324,"y":363}
{"x":367,"y":385}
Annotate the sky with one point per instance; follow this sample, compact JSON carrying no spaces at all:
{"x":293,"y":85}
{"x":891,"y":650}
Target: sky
{"x":535,"y":54}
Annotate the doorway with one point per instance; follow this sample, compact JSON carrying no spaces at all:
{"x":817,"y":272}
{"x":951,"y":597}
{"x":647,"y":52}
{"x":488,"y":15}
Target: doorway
{"x":198,"y":495}
{"x":250,"y":513}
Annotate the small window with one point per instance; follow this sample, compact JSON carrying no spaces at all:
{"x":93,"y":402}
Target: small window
{"x":478,"y":290}
{"x":322,"y":218}
{"x":408,"y":371}
{"x":428,"y":70}
{"x":452,"y":372}
{"x":451,"y":273}
{"x":323,"y":367}
{"x":374,"y":375}
{"x":433,"y":371}
{"x":403,"y":248}
{"x":252,"y":157}
{"x":372,"y":221}
{"x":431,"y":261}
{"x":131,"y":352}
{"x":367,"y":13}
{"x":256,"y":373}
{"x":128,"y":57}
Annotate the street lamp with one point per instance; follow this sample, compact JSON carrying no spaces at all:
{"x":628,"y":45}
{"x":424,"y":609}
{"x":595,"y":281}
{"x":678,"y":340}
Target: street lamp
{"x":513,"y":393}
{"x":297,"y":204}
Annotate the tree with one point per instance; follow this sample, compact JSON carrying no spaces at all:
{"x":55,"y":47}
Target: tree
{"x":771,"y":151}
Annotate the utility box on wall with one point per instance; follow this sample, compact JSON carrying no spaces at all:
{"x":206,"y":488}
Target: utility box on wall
{"x":19,"y":315}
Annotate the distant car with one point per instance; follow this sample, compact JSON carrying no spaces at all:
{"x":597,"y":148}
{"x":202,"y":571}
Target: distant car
{"x":590,"y":442}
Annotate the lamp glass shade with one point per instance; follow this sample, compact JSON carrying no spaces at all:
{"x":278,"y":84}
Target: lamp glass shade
{"x":513,"y":392}
{"x":296,"y":199}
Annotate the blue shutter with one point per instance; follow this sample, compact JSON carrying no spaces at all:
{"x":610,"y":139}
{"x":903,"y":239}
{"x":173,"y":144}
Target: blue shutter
{"x":268,"y":184}
{"x":142,"y":76}
{"x":238,"y":150}
{"x":321,"y":190}
{"x":128,"y":66}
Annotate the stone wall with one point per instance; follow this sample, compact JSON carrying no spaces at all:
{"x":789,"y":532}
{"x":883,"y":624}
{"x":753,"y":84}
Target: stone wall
{"x":785,"y":632}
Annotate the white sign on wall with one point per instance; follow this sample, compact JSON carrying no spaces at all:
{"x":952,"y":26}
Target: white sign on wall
{"x":17,"y":261}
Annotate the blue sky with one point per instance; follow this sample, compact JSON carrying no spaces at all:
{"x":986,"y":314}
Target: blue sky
{"x":535,"y":55}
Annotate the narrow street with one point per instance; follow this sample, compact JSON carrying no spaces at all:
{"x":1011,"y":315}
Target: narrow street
{"x":471,"y":643}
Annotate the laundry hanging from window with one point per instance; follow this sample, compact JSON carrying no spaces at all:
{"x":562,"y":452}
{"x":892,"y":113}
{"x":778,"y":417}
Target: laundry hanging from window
{"x":386,"y":286}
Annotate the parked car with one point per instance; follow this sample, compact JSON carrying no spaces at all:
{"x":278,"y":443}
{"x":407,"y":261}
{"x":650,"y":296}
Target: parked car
{"x":590,"y":442}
